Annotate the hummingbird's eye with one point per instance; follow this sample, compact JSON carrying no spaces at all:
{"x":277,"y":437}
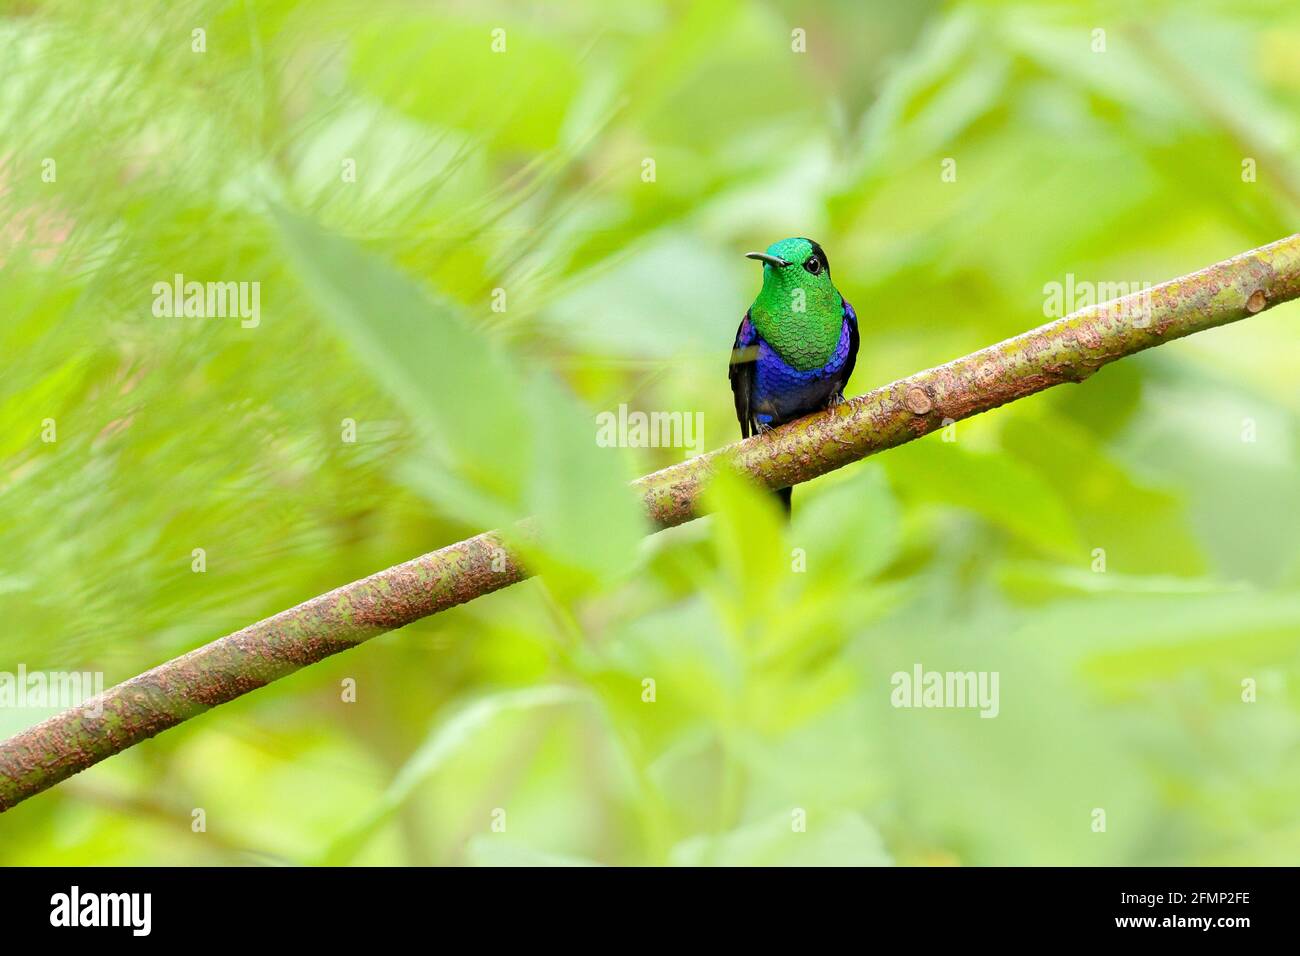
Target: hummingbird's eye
{"x":813,"y":265}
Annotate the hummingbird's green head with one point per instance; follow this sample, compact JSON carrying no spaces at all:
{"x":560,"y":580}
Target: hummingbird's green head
{"x":798,"y":311}
{"x":805,"y":253}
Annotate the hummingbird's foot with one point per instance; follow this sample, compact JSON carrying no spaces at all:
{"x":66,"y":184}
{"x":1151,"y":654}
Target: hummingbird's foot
{"x":836,"y":399}
{"x":763,"y":428}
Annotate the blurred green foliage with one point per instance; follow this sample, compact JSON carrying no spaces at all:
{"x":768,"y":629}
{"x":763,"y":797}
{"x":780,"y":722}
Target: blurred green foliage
{"x":770,"y":648}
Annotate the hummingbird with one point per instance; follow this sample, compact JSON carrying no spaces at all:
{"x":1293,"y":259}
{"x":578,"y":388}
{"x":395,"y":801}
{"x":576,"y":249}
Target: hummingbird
{"x":796,"y":345}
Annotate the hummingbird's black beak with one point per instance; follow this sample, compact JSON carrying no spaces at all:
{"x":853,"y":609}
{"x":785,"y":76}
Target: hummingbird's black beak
{"x":775,"y":262}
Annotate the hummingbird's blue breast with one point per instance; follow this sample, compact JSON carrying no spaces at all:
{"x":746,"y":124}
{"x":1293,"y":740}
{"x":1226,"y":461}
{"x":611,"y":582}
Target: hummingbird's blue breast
{"x":782,"y":393}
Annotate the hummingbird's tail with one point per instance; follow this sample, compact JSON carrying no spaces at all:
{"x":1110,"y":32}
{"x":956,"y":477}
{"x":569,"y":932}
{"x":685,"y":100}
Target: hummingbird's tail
{"x":783,"y":494}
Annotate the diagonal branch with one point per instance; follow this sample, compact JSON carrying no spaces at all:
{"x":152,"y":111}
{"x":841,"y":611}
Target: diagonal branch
{"x":1067,"y":350}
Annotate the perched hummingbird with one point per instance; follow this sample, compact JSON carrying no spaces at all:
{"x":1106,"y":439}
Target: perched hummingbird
{"x":796,"y":346}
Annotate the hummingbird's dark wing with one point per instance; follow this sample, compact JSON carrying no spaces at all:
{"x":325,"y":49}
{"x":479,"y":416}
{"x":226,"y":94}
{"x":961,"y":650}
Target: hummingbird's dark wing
{"x":741,"y":371}
{"x":851,"y":317}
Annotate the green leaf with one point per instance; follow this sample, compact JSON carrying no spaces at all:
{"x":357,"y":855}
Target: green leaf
{"x":1143,"y":530}
{"x":452,"y":383}
{"x":852,"y":525}
{"x":445,"y":740}
{"x":497,"y":850}
{"x":995,"y":486}
{"x":589,"y":520}
{"x":839,"y":839}
{"x":748,"y":537}
{"x":418,"y":62}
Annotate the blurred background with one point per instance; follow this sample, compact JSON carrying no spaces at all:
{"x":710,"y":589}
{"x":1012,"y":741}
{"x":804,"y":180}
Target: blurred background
{"x":477,"y":226}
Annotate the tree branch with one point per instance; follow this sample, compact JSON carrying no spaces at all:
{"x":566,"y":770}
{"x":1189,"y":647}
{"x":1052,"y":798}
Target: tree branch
{"x":1067,"y":350}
